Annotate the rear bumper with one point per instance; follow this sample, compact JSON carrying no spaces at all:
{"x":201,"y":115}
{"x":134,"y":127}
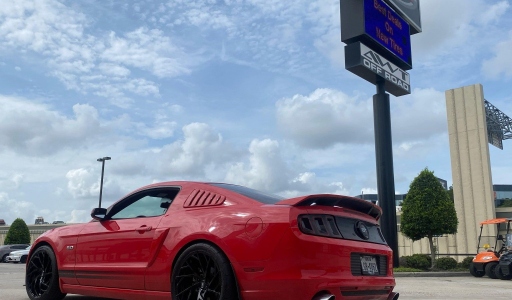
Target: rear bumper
{"x":304,"y":266}
{"x":354,"y":289}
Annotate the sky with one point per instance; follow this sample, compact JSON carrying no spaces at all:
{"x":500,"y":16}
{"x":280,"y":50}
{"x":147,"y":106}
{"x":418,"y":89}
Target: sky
{"x":250,"y":92}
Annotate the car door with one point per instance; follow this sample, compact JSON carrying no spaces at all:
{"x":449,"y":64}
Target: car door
{"x":115,"y":252}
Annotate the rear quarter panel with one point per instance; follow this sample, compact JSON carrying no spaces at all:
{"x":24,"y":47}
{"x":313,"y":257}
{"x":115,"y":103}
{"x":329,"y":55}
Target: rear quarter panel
{"x":247,"y":233}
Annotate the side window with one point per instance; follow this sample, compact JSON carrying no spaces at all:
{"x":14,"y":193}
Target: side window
{"x":150,"y":203}
{"x":19,"y":247}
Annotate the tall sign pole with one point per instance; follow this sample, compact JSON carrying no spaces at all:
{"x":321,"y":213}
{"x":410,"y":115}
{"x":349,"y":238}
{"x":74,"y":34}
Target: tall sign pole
{"x":384,"y":163}
{"x":378,"y":38}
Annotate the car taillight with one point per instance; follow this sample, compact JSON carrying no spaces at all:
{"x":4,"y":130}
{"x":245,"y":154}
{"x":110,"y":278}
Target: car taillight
{"x":323,"y":225}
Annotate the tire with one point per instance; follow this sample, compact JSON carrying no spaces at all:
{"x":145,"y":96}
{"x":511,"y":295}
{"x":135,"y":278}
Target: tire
{"x":489,"y":269}
{"x":4,"y":258}
{"x":23,"y":259}
{"x":203,"y":272}
{"x":42,"y":276}
{"x":473,"y":271}
{"x":499,"y":273}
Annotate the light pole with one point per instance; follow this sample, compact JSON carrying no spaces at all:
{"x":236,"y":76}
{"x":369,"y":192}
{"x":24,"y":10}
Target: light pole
{"x":103,"y":159}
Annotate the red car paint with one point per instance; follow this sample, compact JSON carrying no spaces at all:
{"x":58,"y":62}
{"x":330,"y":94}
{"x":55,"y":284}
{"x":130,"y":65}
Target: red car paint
{"x":272,"y":258}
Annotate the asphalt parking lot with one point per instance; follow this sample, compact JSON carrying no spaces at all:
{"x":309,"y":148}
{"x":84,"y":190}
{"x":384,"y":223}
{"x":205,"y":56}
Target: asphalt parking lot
{"x":410,"y":288}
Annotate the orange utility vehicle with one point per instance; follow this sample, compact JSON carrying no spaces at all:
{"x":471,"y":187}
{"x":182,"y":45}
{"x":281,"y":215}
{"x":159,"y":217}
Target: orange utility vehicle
{"x":485,"y":262}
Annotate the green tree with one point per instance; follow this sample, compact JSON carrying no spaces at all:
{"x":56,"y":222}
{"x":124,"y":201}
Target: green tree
{"x":18,"y":233}
{"x":450,"y":193}
{"x":428,"y":211}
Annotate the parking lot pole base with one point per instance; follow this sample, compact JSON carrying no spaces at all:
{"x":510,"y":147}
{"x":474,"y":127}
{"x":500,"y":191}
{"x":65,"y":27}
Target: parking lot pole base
{"x":384,"y":162}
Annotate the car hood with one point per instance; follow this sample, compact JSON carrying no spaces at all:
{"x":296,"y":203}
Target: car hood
{"x":72,"y":229}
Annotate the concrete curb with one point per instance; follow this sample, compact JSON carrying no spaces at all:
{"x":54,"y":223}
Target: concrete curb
{"x":431,"y":274}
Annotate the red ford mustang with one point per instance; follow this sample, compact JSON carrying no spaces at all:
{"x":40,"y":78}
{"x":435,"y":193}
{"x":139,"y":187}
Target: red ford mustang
{"x":215,"y":241}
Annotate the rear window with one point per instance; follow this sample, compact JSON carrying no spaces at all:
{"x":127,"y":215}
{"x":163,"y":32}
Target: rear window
{"x":262,"y":197}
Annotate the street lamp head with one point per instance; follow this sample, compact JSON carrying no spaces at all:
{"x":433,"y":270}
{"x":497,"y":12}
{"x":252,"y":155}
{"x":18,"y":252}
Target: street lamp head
{"x":104,"y":158}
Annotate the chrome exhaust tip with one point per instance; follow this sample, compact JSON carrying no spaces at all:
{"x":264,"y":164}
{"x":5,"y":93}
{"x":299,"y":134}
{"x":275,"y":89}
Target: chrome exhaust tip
{"x":393,"y":296}
{"x":324,"y":296}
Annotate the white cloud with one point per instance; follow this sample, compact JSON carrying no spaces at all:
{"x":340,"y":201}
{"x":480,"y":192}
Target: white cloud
{"x":84,"y":184}
{"x":453,"y":37}
{"x":308,"y":183}
{"x":324,"y":118}
{"x":493,"y":12}
{"x":34,"y":129}
{"x":41,"y":26}
{"x":16,"y":208}
{"x":113,"y":70}
{"x":12,"y":181}
{"x":327,"y":117}
{"x":59,"y":37}
{"x":78,"y":216}
{"x":420,"y":116}
{"x":161,"y":129}
{"x":500,"y":63}
{"x":147,"y":49}
{"x":201,"y":146}
{"x":266,"y":169}
{"x":325,"y":15}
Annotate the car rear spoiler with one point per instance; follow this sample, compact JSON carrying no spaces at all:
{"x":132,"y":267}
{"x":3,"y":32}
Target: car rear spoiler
{"x":347,"y":202}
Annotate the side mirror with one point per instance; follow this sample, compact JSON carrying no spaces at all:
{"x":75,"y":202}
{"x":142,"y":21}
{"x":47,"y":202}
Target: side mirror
{"x":99,"y":213}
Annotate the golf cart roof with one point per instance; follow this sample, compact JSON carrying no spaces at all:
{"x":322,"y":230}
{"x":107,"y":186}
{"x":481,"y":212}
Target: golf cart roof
{"x":495,"y":221}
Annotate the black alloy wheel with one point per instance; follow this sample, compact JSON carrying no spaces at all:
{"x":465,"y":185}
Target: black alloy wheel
{"x":500,"y":274}
{"x":489,"y":269}
{"x":203,"y":273}
{"x":42,"y":278}
{"x":473,"y":271}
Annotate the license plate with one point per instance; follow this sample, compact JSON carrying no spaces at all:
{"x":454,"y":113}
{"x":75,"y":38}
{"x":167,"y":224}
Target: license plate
{"x":369,"y":265}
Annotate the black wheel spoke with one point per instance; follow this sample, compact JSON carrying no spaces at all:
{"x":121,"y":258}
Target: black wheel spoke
{"x":188,"y":288}
{"x":213,"y":277}
{"x":198,"y":277}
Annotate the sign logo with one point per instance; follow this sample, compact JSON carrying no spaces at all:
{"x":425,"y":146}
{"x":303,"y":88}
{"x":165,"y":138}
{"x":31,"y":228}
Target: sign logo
{"x":382,"y":67}
{"x":362,"y":230}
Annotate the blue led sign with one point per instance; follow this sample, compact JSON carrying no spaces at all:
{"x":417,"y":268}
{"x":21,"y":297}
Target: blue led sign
{"x":388,"y":29}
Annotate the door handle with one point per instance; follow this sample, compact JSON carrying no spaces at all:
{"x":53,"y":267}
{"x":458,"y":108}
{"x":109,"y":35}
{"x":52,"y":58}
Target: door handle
{"x":144,"y":228}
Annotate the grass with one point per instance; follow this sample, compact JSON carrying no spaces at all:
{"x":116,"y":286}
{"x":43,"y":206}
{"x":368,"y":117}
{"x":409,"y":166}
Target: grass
{"x":405,"y":269}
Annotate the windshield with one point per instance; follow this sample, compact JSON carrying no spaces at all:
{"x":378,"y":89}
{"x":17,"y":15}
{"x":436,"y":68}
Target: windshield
{"x":251,"y":193}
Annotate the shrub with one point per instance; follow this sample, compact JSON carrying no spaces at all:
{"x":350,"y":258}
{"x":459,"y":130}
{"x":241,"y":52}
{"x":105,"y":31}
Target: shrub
{"x":402,"y":261}
{"x":464,"y":264}
{"x":18,"y":233}
{"x":418,"y":261}
{"x":446,"y":263}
